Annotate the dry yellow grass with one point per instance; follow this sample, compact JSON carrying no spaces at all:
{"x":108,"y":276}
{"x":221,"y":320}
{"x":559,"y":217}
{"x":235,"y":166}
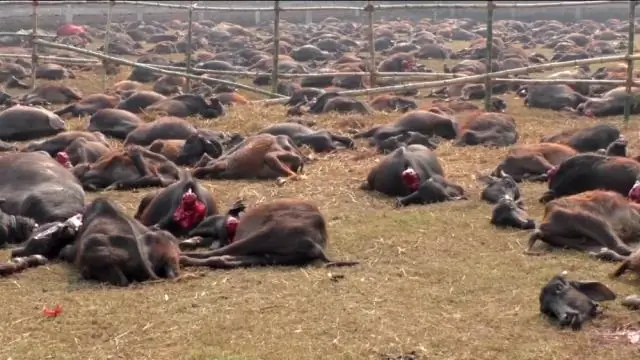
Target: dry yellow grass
{"x":438,"y":280}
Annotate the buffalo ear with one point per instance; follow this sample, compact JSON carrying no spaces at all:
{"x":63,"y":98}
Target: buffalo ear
{"x":595,"y":290}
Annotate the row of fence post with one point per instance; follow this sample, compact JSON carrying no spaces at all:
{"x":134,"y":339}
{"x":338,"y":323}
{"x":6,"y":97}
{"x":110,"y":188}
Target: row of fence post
{"x":370,"y":10}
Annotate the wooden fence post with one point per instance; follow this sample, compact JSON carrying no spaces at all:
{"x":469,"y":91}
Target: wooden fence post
{"x":276,"y":46}
{"x":372,"y":46}
{"x":189,"y":45}
{"x":34,"y":47}
{"x":107,"y":39}
{"x":630,"y":49}
{"x":489,"y":49}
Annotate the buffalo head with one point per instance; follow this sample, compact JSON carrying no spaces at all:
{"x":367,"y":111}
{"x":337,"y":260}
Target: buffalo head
{"x":509,"y":213}
{"x":572,"y":302}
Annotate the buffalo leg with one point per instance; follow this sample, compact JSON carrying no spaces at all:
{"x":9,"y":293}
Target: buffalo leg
{"x":138,"y":162}
{"x":413,"y":198}
{"x":277,"y":160}
{"x":109,"y":274}
{"x":345,"y":141}
{"x":210,"y":172}
{"x":145,"y":181}
{"x":226,"y":261}
{"x":319,"y":142}
{"x":146,"y":200}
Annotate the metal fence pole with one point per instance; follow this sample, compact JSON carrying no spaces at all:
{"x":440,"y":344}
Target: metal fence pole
{"x":107,"y":39}
{"x":34,"y":47}
{"x":489,"y":48}
{"x":372,"y":46}
{"x":276,"y":46}
{"x":189,"y":45}
{"x":630,"y":49}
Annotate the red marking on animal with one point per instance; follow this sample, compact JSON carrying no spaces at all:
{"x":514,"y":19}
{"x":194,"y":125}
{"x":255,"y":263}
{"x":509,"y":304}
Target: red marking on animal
{"x":191,"y":210}
{"x":63,"y":158}
{"x":634,"y":193}
{"x":411,"y":178}
{"x":232,"y":227}
{"x":71,"y":29}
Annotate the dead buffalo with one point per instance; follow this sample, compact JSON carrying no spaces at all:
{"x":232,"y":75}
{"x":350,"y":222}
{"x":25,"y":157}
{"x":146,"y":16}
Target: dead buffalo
{"x":588,"y":139}
{"x":387,"y":176}
{"x":498,"y":187}
{"x":89,"y":105}
{"x":555,"y":97}
{"x":37,"y":187}
{"x":213,"y":231}
{"x":131,"y":168}
{"x":51,"y":94}
{"x":189,"y":105}
{"x":163,"y":128}
{"x":318,"y":140}
{"x":423,"y":122}
{"x":59,"y":142}
{"x":572,"y":302}
{"x":178,"y":208}
{"x":590,"y":221}
{"x":332,"y":101}
{"x":82,"y":151}
{"x":262,"y":156}
{"x":53,"y":72}
{"x":195,"y":147}
{"x":49,"y":239}
{"x":140,"y":100}
{"x":114,"y":248}
{"x":393,"y":103}
{"x":20,"y":123}
{"x":589,"y":171}
{"x":492,"y":129}
{"x":115,"y":123}
{"x":533,"y":161}
{"x":510,"y":213}
{"x":405,"y":139}
{"x":285,"y":232}
{"x":611,"y":103}
{"x":169,"y":148}
{"x":432,"y":190}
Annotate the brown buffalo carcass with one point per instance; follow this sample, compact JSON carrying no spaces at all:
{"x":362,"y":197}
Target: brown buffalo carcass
{"x":414,"y":174}
{"x":533,"y":161}
{"x":131,"y":168}
{"x":285,"y":232}
{"x":590,"y":221}
{"x":262,"y":156}
{"x":611,"y":103}
{"x":555,"y":97}
{"x":589,"y":139}
{"x":420,"y":121}
{"x":114,"y":248}
{"x":590,"y":171}
{"x":488,"y":128}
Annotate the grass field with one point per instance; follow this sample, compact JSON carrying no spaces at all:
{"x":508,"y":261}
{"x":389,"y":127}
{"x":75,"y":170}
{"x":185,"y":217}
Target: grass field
{"x":436,"y":280}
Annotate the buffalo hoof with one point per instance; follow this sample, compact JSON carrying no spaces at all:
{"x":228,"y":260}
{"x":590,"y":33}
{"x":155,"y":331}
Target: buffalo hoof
{"x":606,"y":254}
{"x":398,"y":204}
{"x":114,"y":186}
{"x":632,"y":302}
{"x":191,"y":243}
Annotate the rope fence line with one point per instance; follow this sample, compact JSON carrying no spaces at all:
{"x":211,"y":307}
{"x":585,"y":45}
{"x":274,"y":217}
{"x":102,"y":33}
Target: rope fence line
{"x":370,"y":8}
